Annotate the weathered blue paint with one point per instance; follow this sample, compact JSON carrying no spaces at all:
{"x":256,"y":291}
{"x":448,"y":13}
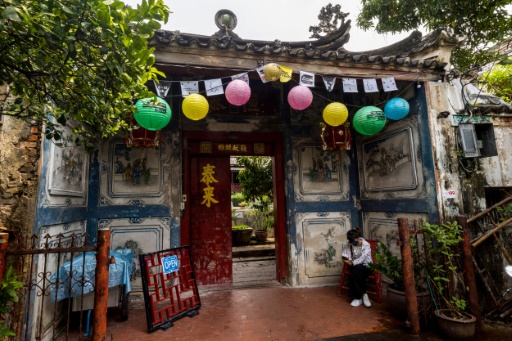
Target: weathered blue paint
{"x":427,"y":154}
{"x":175,"y":232}
{"x":427,"y":204}
{"x":51,"y":215}
{"x":96,"y":212}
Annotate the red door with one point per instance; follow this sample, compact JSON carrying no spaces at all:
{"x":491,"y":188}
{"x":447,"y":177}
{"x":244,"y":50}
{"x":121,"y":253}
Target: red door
{"x":210,"y":219}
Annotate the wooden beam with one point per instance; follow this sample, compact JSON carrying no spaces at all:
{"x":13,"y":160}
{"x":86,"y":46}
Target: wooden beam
{"x":480,"y":239}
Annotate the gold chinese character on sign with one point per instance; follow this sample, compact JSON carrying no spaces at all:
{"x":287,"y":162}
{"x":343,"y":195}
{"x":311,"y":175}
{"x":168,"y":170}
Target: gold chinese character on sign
{"x":205,"y":147}
{"x":235,"y":148}
{"x":259,"y":148}
{"x":243,"y":148}
{"x":208,"y":178}
{"x":220,"y":147}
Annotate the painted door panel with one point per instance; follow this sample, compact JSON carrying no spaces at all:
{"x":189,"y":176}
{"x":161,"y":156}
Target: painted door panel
{"x":210,"y":219}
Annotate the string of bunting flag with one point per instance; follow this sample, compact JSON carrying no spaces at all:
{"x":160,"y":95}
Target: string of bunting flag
{"x":368,"y":120}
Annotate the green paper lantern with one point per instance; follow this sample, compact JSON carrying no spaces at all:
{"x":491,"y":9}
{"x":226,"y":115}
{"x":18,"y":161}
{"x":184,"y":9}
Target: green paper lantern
{"x":152,"y":114}
{"x":369,"y":120}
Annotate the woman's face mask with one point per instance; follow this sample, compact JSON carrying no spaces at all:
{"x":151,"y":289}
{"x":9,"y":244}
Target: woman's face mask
{"x":353,"y":242}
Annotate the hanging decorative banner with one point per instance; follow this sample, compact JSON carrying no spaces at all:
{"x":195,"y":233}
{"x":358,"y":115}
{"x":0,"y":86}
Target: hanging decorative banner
{"x":388,"y":84}
{"x":261,"y":73}
{"x":286,"y":73}
{"x":329,"y":82}
{"x":369,"y":120}
{"x":272,"y":72}
{"x":195,"y":107}
{"x":300,"y":97}
{"x":336,"y":137}
{"x":242,"y":76}
{"x":152,"y":114}
{"x":238,"y":92}
{"x":307,"y":79}
{"x":162,"y":88}
{"x":349,"y":84}
{"x":370,"y":85}
{"x":335,"y":114}
{"x":188,"y":88}
{"x":396,"y":108}
{"x":213,"y":87}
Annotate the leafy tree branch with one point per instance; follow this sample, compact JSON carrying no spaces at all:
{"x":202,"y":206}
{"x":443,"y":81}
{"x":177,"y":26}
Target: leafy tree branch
{"x":483,"y":22}
{"x":86,"y":61}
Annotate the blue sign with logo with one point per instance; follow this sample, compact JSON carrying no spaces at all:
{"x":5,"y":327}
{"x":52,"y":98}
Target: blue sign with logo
{"x":170,"y":264}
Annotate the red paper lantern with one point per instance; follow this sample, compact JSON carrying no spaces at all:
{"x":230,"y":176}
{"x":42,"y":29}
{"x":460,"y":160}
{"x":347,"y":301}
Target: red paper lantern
{"x":336,"y":138}
{"x":300,"y":97}
{"x":238,"y":92}
{"x":143,"y":138}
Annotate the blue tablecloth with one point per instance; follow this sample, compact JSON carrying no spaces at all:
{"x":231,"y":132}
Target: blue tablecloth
{"x":71,"y":285}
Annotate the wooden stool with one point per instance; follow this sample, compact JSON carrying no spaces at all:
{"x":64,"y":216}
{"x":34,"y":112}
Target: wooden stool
{"x":375,"y":277}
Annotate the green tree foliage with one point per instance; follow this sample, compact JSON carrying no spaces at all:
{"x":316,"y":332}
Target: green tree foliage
{"x":483,"y":22}
{"x":499,"y":81}
{"x":256,"y":179}
{"x":86,"y":61}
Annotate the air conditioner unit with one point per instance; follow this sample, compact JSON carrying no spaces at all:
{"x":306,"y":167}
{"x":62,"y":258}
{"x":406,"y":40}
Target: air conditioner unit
{"x":477,"y":140}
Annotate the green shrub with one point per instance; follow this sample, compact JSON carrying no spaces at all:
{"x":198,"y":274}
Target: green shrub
{"x":241,"y":227}
{"x":8,"y":294}
{"x":237,"y":198}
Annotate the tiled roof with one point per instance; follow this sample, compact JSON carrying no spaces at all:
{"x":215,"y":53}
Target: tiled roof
{"x":329,"y":47}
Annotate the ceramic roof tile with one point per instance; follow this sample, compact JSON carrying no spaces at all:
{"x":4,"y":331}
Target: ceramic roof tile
{"x":329,"y":47}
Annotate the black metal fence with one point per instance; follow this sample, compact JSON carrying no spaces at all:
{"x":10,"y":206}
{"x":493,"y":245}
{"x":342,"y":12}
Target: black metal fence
{"x":57,"y":285}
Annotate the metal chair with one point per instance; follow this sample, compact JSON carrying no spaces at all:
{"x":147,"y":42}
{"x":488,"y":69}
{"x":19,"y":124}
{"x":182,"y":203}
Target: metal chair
{"x":375,"y":277}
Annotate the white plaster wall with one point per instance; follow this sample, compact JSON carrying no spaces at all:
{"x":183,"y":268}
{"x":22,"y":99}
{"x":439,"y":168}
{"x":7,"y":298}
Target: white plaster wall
{"x":444,"y":97}
{"x":498,"y":169}
{"x":318,"y":236}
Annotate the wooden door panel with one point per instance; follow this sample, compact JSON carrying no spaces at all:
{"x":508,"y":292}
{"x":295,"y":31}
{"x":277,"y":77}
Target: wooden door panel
{"x":210,"y":219}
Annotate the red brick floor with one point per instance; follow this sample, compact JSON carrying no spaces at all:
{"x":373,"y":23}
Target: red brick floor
{"x":272,"y":313}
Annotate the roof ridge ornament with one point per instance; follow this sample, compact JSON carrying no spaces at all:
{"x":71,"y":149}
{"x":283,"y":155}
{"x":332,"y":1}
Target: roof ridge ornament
{"x":226,"y":22}
{"x":329,"y":16}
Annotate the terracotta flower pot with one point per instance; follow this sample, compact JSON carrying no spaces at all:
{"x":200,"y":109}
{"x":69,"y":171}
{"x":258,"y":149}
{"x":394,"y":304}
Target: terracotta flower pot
{"x":242,"y":237}
{"x":261,"y":236}
{"x":398,"y":304}
{"x":455,"y":328}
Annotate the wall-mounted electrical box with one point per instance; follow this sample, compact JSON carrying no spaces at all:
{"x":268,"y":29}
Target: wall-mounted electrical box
{"x":477,"y":140}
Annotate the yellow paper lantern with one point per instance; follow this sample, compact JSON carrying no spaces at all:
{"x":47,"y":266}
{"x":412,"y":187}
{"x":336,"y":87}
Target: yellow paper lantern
{"x":335,"y":114}
{"x":272,"y":72}
{"x":195,"y":107}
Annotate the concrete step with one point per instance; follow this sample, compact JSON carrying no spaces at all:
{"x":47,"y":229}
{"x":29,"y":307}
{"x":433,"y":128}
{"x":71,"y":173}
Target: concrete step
{"x":253,"y":252}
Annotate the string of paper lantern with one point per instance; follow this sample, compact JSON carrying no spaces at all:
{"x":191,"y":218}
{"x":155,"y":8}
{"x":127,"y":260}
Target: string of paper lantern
{"x":238,"y":92}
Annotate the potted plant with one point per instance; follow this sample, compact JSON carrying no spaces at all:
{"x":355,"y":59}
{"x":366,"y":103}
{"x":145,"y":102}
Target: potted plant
{"x":257,"y":188}
{"x":390,"y":266}
{"x":262,"y":220}
{"x":241,"y":235}
{"x":445,"y":281}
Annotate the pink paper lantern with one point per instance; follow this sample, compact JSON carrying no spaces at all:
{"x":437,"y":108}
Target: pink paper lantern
{"x":238,"y":92}
{"x":300,"y":97}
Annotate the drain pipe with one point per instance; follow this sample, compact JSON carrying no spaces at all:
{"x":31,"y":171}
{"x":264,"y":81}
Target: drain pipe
{"x":409,"y":283}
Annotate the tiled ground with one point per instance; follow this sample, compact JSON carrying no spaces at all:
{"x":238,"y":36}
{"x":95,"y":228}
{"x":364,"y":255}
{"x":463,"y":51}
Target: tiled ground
{"x":270,"y":313}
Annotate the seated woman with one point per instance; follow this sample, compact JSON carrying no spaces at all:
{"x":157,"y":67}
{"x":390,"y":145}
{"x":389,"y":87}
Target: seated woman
{"x":357,"y":255}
